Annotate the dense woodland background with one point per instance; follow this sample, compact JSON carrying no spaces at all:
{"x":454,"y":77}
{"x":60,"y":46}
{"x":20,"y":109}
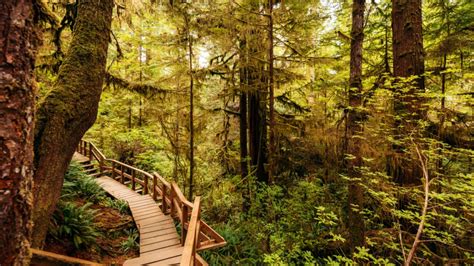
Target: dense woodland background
{"x":317,"y":132}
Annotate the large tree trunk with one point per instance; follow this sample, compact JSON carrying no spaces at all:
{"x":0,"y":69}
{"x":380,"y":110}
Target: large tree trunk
{"x":258,"y":133}
{"x":408,"y":61}
{"x":70,"y":109}
{"x":355,"y":127}
{"x":18,"y":43}
{"x":257,"y":94}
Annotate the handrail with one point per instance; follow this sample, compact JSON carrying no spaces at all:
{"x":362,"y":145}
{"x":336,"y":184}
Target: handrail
{"x":99,"y":153}
{"x":190,"y":245}
{"x":61,"y":258}
{"x":173,"y":202}
{"x":181,"y":197}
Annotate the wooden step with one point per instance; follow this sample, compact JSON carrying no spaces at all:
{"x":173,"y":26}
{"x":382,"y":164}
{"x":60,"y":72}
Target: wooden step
{"x":88,"y":166}
{"x":96,"y":174}
{"x":90,"y":171}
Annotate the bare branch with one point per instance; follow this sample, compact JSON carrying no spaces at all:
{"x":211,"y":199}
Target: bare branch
{"x":426,"y":184}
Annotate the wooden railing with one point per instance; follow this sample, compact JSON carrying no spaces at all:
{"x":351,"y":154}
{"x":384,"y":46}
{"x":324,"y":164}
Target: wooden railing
{"x":196,"y":235}
{"x":41,"y":257}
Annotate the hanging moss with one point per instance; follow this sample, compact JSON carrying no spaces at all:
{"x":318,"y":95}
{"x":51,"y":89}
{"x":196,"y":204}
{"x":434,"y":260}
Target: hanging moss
{"x":146,"y":90}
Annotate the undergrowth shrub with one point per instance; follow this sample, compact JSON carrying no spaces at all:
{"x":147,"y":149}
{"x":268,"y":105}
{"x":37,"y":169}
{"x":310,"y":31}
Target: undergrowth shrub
{"x":75,"y":223}
{"x":120,"y":205}
{"x":78,"y":184}
{"x":131,"y":242}
{"x":238,"y":249}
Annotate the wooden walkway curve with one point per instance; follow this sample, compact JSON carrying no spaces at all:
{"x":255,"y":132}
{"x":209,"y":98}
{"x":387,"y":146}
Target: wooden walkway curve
{"x":157,"y":231}
{"x":155,"y":205}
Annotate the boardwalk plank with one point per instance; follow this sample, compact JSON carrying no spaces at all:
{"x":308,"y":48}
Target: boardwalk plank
{"x":157,"y":233}
{"x":170,"y":261}
{"x":154,"y":240}
{"x":147,"y":214}
{"x":151,"y":218}
{"x":151,"y":222}
{"x":161,"y":245}
{"x":162,"y":257}
{"x":157,"y":227}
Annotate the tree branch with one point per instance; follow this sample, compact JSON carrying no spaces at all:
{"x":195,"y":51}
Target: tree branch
{"x":417,"y":241}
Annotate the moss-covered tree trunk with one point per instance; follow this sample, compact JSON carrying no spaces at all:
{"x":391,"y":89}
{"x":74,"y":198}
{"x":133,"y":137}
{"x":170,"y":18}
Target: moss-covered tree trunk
{"x":18,"y":43}
{"x":71,"y":108}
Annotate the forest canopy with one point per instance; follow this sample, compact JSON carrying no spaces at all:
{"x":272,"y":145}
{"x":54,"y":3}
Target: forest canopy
{"x":316,"y":132}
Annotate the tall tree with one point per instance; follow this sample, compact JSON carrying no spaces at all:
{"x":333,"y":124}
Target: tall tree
{"x":191,"y":103}
{"x":243,"y":129}
{"x":272,"y":148}
{"x":257,"y":95}
{"x":408,"y":62}
{"x":70,"y":109}
{"x":18,"y":43}
{"x":355,"y":127}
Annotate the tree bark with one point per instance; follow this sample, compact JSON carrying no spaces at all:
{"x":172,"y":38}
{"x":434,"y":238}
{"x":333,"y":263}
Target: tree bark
{"x":408,"y":58}
{"x":408,"y":61}
{"x":355,"y":128}
{"x":18,"y":44}
{"x":191,"y":108}
{"x":70,"y":109}
{"x":257,"y":134}
{"x":257,"y":81}
{"x":272,"y":148}
{"x":243,"y":126}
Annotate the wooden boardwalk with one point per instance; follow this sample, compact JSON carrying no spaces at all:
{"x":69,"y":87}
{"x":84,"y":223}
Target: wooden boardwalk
{"x":157,"y":207}
{"x":159,"y":242}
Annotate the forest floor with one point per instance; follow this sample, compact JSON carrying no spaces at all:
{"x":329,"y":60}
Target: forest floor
{"x":114,"y":228}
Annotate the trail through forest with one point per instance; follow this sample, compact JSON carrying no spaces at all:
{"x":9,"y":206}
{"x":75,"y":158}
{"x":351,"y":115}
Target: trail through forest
{"x":279,"y":132}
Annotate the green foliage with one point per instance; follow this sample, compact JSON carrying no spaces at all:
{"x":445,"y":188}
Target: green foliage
{"x":238,"y":250}
{"x":131,"y":242}
{"x":75,"y":223}
{"x":78,"y":184}
{"x":120,"y":205}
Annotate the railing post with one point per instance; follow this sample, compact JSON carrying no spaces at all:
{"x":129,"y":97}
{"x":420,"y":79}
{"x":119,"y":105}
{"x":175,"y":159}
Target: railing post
{"x":113,"y":170}
{"x":101,"y":166}
{"x":171,"y":201}
{"x":90,"y":151}
{"x":145,"y":189}
{"x":184,"y":219}
{"x":155,"y":197}
{"x":133,"y":179}
{"x":122,"y":179}
{"x":164,"y":206}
